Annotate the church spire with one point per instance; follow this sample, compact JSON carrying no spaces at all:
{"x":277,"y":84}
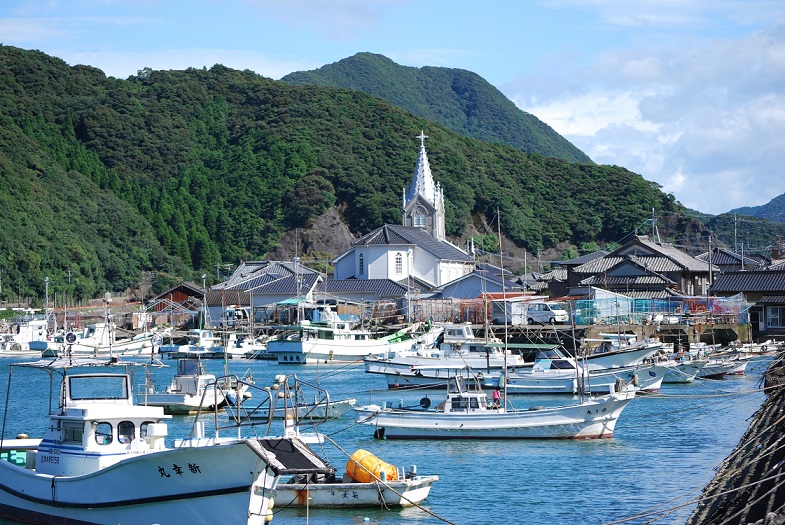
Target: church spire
{"x":423,"y":200}
{"x":422,"y":183}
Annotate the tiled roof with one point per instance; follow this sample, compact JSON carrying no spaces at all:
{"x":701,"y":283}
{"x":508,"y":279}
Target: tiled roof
{"x":685,"y":260}
{"x":391,"y":234}
{"x":583,"y":259}
{"x":720,"y":257}
{"x":380,"y":287}
{"x":660,"y":258}
{"x":772,"y":299}
{"x":557,"y":274}
{"x":651,"y":294}
{"x":255,"y":273}
{"x":630,"y":280}
{"x":753,"y":281}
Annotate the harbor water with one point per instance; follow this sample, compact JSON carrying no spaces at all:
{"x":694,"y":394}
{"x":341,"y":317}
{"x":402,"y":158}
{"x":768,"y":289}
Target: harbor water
{"x":664,"y":451}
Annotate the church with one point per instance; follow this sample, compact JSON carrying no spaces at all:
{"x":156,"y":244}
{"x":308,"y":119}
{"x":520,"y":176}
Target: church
{"x":413,"y":254}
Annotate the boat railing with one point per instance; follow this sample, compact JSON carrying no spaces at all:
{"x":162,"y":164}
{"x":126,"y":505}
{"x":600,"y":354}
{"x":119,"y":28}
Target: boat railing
{"x":237,"y":393}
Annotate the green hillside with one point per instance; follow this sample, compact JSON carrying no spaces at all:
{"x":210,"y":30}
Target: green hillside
{"x":175,"y":172}
{"x":454,"y":98}
{"x":774,"y":210}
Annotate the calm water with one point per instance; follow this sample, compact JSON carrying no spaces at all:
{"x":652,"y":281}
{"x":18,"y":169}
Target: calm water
{"x":664,"y":451}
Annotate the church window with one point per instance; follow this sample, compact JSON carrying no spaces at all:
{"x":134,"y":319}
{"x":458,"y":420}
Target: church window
{"x":419,"y":219}
{"x":362,"y":264}
{"x":398,"y":263}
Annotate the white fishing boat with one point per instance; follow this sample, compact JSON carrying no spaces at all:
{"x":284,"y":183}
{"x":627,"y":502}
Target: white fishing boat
{"x":618,"y":353}
{"x":104,"y":460}
{"x":683,"y":368}
{"x":367,"y":481}
{"x":468,"y":415}
{"x":25,"y":338}
{"x":554,"y":373}
{"x":401,"y":489}
{"x":428,"y":367}
{"x":333,"y":340}
{"x":192,"y":389}
{"x":201,"y":342}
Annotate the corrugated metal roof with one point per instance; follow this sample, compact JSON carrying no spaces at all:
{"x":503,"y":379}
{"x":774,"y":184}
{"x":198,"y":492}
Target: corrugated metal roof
{"x":391,"y":234}
{"x":772,"y":299}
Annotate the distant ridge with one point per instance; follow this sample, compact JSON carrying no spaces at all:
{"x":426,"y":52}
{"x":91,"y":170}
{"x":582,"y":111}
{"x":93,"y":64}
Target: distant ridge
{"x":454,"y":98}
{"x":774,"y":210}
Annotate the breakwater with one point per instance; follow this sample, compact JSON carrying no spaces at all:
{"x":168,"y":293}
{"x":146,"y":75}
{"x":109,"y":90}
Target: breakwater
{"x":749,"y":487}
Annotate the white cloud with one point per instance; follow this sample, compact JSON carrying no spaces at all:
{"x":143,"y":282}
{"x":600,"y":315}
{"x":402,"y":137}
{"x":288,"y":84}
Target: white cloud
{"x":707,"y":122}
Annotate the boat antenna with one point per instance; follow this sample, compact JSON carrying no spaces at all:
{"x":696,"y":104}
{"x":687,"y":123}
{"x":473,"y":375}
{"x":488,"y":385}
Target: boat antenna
{"x":109,"y":329}
{"x":504,"y":300}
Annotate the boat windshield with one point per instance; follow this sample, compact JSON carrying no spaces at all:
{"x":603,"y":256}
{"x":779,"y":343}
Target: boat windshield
{"x":97,"y":387}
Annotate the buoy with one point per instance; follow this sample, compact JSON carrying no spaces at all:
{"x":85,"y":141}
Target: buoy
{"x":268,"y":517}
{"x":365,"y":467}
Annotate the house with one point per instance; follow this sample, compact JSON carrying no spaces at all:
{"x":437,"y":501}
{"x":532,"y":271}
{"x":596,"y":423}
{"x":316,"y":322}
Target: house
{"x":645,"y":269}
{"x":728,"y":261}
{"x":486,"y":279}
{"x":764,"y":289}
{"x":260,"y":285}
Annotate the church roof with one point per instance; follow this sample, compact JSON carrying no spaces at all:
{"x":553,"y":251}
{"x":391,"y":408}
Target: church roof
{"x":395,"y":235}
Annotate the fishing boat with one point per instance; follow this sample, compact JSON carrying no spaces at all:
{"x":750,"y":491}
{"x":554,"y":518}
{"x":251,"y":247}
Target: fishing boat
{"x":367,"y":481}
{"x":619,"y":352}
{"x":427,"y":367}
{"x":192,"y":389}
{"x":104,"y":460}
{"x":400,"y":489}
{"x":25,"y":338}
{"x":333,"y":340}
{"x":467,"y":414}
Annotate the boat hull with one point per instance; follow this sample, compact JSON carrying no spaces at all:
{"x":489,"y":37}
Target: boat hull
{"x":403,"y":493}
{"x":595,"y":418}
{"x":216,"y":484}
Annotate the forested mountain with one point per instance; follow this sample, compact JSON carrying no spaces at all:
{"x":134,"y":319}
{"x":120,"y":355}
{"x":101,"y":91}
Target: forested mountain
{"x":455,"y":98}
{"x":175,"y":172}
{"x":774,"y":210}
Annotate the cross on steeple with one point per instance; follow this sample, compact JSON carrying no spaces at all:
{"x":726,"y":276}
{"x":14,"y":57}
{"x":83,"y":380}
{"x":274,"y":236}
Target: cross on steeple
{"x":422,"y":136}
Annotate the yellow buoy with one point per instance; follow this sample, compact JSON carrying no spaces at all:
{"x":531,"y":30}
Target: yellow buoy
{"x":365,"y":467}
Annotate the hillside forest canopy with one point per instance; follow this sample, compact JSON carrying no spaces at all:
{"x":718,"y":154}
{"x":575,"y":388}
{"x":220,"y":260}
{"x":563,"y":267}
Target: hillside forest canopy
{"x":168,"y":175}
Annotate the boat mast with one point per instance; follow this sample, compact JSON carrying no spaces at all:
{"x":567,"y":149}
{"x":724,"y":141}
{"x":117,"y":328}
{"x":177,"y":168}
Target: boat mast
{"x":504,"y":304}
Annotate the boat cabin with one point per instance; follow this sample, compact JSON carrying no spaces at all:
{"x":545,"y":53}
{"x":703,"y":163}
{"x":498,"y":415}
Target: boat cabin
{"x":460,"y":400}
{"x":97,"y":425}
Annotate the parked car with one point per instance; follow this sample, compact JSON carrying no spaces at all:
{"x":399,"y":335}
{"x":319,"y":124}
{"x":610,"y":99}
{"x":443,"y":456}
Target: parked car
{"x":542,"y":312}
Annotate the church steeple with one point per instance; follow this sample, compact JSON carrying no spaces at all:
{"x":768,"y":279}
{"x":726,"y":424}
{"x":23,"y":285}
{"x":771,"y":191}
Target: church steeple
{"x":423,"y":201}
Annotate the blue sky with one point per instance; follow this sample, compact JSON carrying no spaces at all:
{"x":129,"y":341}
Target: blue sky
{"x":688,"y":93}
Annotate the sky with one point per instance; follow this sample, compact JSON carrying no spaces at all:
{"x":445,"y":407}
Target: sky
{"x":689,"y":94}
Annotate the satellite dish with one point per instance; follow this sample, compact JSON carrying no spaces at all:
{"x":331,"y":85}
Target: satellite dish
{"x":425,"y":402}
{"x":70,"y":338}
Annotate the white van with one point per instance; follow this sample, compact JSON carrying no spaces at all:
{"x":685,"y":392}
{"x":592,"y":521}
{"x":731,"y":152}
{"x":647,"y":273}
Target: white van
{"x":541,"y":312}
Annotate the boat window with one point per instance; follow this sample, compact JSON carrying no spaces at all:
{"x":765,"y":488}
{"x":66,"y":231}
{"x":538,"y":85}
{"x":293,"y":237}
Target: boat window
{"x":126,"y":431}
{"x":143,"y":428}
{"x":98,"y":387}
{"x":474,"y":403}
{"x":73,"y":431}
{"x":459,"y":403}
{"x":103,"y":433}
